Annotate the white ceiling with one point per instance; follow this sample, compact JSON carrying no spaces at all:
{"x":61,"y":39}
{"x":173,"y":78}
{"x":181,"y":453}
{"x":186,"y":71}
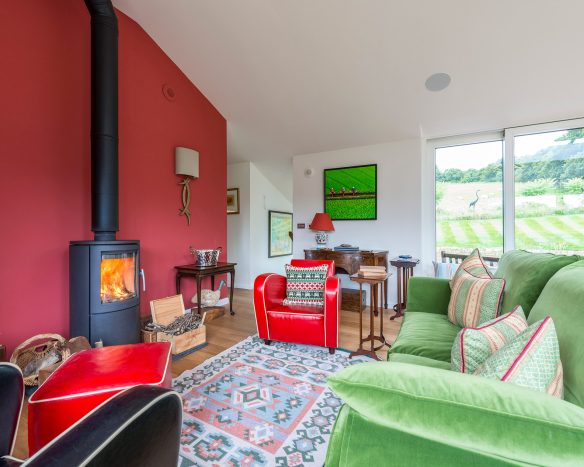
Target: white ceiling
{"x":301,"y":76}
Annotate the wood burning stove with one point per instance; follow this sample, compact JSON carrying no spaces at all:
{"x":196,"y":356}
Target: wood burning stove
{"x":104,"y":296}
{"x":104,"y":291}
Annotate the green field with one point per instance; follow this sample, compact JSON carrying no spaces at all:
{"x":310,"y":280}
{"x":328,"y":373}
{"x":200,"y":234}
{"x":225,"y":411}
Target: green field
{"x":547,"y":221}
{"x":362,"y":178}
{"x":350,"y":193}
{"x":363,"y":208}
{"x":555,"y":232}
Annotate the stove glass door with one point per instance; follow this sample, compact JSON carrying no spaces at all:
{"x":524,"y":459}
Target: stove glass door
{"x":119,"y":276}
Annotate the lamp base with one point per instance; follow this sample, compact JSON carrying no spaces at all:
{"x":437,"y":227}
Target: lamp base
{"x":321,"y":238}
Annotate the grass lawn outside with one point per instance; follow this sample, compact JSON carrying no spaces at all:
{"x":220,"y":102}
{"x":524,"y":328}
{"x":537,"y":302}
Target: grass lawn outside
{"x":562,"y":233}
{"x":548,"y":222}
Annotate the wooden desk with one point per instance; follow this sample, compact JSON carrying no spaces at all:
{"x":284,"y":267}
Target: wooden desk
{"x":198,"y":272}
{"x":350,"y":262}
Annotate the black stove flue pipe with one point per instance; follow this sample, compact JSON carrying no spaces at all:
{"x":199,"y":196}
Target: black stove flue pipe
{"x":104,"y":119}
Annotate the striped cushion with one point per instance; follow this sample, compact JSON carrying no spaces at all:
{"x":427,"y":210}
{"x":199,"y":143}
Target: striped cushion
{"x":474,"y":265}
{"x":531,"y":360}
{"x":305,"y":286}
{"x":474,"y":300}
{"x":473,"y":346}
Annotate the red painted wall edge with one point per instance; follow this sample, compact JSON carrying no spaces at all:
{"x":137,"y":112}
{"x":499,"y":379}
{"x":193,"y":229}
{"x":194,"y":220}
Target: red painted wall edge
{"x":44,"y":161}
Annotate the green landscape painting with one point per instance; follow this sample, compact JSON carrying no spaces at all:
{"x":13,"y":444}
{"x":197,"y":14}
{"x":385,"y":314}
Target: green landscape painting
{"x":350,"y":193}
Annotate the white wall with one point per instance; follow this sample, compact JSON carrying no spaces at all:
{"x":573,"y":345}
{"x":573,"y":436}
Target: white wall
{"x":247,"y":232}
{"x":238,"y":225}
{"x":264,"y":197}
{"x":399,"y":187}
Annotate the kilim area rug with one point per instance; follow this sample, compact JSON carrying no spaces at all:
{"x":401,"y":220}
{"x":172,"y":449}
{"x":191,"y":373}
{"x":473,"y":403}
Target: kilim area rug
{"x":256,"y":405}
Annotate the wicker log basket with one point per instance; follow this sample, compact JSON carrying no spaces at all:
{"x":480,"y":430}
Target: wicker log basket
{"x":39,"y":351}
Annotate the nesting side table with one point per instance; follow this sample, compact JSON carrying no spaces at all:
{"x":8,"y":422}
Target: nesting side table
{"x":374,"y":311}
{"x":405,"y":270}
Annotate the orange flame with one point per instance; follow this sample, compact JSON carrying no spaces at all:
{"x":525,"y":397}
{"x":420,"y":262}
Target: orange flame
{"x":117,"y":279}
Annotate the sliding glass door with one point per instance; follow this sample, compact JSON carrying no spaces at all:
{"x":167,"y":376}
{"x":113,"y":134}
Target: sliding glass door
{"x":469,"y":198}
{"x":520,"y":188}
{"x":549,"y":191}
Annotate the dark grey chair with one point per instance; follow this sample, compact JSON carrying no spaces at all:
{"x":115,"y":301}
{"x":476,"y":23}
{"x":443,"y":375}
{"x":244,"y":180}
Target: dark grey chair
{"x":137,"y":427}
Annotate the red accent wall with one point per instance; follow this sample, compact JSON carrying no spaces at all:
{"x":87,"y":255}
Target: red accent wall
{"x":44,"y":157}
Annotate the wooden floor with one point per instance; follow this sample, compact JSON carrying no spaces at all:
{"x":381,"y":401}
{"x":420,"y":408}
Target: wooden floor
{"x":226,"y":331}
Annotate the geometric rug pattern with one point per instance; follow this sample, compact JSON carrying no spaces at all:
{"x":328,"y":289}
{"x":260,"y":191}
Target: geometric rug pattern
{"x":259,"y":405}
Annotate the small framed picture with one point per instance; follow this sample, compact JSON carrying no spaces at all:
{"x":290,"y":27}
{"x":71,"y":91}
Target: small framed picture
{"x":232,"y":200}
{"x":279,"y":234}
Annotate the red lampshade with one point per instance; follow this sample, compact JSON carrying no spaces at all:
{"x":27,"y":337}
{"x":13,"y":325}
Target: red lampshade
{"x":322,"y":222}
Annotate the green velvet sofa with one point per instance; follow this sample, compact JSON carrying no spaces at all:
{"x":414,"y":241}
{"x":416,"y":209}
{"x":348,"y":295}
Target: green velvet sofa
{"x":413,"y":410}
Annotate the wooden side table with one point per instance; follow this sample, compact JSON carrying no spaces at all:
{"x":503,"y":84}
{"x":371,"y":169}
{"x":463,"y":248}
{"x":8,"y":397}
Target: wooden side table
{"x":374,"y":306}
{"x":405,"y":270}
{"x":198,"y":272}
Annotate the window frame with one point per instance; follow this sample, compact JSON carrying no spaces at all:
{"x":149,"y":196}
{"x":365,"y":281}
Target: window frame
{"x":429,"y":183}
{"x":507,"y":136}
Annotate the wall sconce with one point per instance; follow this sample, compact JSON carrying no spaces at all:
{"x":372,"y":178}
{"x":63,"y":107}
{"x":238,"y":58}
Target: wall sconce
{"x":186,"y":163}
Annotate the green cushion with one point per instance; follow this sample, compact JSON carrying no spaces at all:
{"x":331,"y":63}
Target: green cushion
{"x":526,"y":275}
{"x":563,"y":300}
{"x":454,"y":409}
{"x":417,"y":360}
{"x":474,"y":300}
{"x":473,"y":264}
{"x":427,"y":335}
{"x":473,"y":346}
{"x":531,"y":360}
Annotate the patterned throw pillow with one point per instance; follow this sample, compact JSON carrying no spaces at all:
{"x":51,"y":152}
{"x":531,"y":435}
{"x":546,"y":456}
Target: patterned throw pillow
{"x":305,"y":286}
{"x":474,"y":265}
{"x":474,"y":300}
{"x":531,"y":360}
{"x":473,"y":346}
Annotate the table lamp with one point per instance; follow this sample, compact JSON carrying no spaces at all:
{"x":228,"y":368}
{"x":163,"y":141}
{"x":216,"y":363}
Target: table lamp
{"x":322,"y":224}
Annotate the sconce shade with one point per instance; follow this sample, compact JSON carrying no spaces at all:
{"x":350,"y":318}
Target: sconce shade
{"x":186,"y":162}
{"x":322,"y":222}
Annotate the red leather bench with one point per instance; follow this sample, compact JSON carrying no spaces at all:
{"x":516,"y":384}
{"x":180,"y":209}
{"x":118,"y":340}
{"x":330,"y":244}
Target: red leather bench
{"x":88,"y":379}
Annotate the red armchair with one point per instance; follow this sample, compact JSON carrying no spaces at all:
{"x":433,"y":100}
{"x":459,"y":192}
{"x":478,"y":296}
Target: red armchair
{"x":301,"y":324}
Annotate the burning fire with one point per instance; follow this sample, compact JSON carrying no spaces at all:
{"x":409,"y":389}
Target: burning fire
{"x":117,"y":279}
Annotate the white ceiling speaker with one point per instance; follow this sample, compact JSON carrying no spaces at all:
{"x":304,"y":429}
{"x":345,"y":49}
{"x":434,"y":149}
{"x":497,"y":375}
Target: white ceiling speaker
{"x":438,"y":82}
{"x":308,"y":172}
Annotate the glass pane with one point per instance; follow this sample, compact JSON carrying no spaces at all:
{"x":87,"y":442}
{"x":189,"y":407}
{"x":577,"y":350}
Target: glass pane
{"x":469,"y":199}
{"x":549,"y":191}
{"x":118,"y":276}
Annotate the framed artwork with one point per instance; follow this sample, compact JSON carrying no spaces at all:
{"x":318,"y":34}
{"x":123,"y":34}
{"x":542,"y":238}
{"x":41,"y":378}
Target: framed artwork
{"x":232,"y":200}
{"x":279,"y":233}
{"x":350,"y":193}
